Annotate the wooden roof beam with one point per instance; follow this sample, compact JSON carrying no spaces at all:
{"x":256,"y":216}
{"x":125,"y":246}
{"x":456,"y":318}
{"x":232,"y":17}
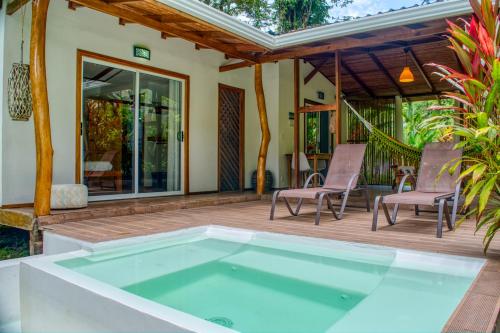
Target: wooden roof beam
{"x":382,"y":68}
{"x":15,"y":5}
{"x":122,"y":21}
{"x":358,"y":80}
{"x":230,"y":67}
{"x":314,"y":71}
{"x":120,"y":1}
{"x":165,"y":35}
{"x":135,"y":17}
{"x":72,"y":5}
{"x":418,"y":64}
{"x":200,"y":47}
{"x":347,"y":43}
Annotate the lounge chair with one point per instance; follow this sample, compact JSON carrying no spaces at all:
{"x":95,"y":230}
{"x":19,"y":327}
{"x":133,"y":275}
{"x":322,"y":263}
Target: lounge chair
{"x":431,"y":189}
{"x":341,"y":180}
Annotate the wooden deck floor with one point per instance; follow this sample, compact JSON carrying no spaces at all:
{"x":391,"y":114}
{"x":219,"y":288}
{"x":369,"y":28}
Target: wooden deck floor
{"x":477,"y":313}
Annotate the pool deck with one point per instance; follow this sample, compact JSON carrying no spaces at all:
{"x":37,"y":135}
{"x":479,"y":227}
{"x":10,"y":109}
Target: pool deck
{"x":478,"y":311}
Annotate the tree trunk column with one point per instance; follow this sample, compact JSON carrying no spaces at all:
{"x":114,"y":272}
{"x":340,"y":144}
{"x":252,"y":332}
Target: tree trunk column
{"x":43,"y":140}
{"x":264,"y":127}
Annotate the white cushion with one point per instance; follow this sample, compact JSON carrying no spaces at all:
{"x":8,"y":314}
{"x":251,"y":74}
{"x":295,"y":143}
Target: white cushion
{"x":67,"y":196}
{"x":98,"y":166}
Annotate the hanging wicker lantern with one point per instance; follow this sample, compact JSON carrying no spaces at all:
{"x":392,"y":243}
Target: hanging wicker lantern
{"x":19,"y":92}
{"x":19,"y":85}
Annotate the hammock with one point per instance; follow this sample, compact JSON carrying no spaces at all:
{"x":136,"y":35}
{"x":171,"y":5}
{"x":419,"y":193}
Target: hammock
{"x":402,"y":153}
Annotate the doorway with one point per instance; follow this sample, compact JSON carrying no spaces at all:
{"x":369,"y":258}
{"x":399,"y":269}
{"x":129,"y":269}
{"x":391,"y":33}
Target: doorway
{"x":231,"y":138}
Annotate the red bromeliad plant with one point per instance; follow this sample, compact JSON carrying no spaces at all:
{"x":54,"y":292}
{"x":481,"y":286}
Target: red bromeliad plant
{"x":477,"y":86}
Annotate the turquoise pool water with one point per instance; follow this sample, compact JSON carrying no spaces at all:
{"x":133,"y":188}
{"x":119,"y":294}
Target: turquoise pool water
{"x":289,"y":285}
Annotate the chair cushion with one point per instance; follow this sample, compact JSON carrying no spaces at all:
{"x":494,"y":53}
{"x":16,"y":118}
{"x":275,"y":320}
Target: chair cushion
{"x":416,"y":198}
{"x":68,"y":196}
{"x":98,"y":166}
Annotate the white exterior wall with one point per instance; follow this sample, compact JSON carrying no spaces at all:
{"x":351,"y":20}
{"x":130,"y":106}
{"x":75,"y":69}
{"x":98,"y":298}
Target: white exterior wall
{"x":89,"y":30}
{"x":286,"y":96}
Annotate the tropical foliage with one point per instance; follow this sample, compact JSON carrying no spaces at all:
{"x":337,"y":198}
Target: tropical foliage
{"x":300,"y":14}
{"x":477,"y":84}
{"x":280,"y":16}
{"x":415,"y":113}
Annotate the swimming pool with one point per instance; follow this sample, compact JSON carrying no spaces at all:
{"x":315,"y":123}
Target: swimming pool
{"x":220,"y":279}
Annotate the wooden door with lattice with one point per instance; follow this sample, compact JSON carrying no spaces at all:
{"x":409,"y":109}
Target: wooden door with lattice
{"x":231,"y":138}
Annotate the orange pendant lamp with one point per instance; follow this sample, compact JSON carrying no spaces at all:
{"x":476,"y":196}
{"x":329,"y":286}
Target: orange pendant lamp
{"x":406,"y":75}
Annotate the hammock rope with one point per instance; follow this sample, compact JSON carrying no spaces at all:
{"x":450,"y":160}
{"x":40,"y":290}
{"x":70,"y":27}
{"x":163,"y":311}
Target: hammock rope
{"x":403,"y":153}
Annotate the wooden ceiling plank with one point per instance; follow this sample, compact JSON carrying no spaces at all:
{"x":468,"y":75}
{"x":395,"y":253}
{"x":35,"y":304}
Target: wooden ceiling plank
{"x":382,"y":68}
{"x":15,"y":5}
{"x":418,"y":64}
{"x":358,"y":79}
{"x":153,"y":24}
{"x":346,"y":43}
{"x":315,"y":71}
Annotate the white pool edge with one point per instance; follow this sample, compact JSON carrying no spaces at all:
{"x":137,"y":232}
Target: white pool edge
{"x":43,"y":268}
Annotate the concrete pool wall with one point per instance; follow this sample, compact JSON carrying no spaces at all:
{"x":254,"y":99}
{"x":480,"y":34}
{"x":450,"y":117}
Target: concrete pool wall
{"x":54,"y":299}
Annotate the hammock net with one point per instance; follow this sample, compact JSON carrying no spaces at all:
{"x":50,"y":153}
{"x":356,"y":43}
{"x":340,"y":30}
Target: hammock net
{"x":403,"y":154}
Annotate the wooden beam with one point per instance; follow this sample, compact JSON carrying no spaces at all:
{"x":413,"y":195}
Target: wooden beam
{"x":357,"y":79}
{"x":314,"y":71}
{"x":230,"y":67}
{"x":165,"y":35}
{"x":72,"y":5}
{"x":135,"y":17}
{"x":41,"y":115}
{"x":420,"y":69}
{"x":199,"y":47}
{"x":318,"y":108}
{"x":122,"y":21}
{"x":120,"y":1}
{"x":248,"y":47}
{"x":264,"y":128}
{"x":15,"y":5}
{"x":338,"y":96}
{"x":296,"y":102}
{"x":388,"y":75}
{"x":346,"y":43}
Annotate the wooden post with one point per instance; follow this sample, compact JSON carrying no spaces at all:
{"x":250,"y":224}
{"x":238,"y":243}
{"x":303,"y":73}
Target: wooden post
{"x":338,"y":96}
{"x":43,"y":140}
{"x":296,"y":100}
{"x":264,"y":127}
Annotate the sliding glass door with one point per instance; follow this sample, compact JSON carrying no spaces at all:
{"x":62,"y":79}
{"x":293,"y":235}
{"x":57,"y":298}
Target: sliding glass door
{"x":160,"y":134}
{"x":131,"y":131}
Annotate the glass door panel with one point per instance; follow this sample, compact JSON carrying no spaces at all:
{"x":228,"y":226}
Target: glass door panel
{"x":160,"y":134}
{"x":108,"y":129}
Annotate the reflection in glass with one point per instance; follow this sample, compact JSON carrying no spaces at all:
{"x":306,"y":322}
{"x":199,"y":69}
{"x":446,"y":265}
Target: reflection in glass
{"x":160,"y":134}
{"x":108,"y":129}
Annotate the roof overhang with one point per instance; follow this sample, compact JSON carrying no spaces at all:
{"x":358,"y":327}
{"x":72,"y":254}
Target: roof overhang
{"x":396,"y":18}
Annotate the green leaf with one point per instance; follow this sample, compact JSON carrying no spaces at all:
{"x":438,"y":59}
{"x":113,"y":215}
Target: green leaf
{"x":468,"y":171}
{"x":485,"y":193}
{"x":482,"y":119}
{"x":473,"y":192}
{"x":478,"y":172}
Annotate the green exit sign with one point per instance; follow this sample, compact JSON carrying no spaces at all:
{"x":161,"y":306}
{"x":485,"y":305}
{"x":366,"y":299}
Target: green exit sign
{"x":142,"y":52}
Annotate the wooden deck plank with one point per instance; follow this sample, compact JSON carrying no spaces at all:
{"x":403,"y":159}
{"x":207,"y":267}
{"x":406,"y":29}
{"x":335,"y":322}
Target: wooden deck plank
{"x":478,"y":311}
